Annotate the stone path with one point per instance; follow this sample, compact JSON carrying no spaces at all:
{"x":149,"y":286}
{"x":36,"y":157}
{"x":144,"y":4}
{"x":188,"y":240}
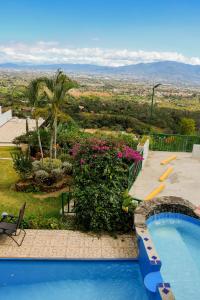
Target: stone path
{"x":69,"y":244}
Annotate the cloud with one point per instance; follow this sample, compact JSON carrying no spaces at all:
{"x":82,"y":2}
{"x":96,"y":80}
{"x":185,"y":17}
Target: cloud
{"x":53,"y":53}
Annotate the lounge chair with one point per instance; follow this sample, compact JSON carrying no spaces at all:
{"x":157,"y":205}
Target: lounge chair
{"x":11,"y":226}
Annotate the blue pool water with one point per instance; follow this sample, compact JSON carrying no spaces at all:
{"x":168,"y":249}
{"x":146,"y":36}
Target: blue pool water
{"x":71,"y":280}
{"x":177,"y":241}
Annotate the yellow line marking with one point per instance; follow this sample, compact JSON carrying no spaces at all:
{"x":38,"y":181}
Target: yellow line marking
{"x":155,"y":192}
{"x":166,"y":174}
{"x":166,"y":161}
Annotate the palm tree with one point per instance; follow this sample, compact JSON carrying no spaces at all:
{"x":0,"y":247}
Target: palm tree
{"x":32,"y":93}
{"x":34,"y":97}
{"x":56,"y":90}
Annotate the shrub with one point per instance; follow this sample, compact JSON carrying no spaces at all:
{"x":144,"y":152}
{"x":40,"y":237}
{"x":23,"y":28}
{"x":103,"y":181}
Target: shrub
{"x":22,"y":164}
{"x":65,"y":157}
{"x":67,"y":168}
{"x":36,"y":165}
{"x":187,"y":126}
{"x":40,"y":222}
{"x":56,"y":174}
{"x":101,"y":176}
{"x":50,"y":164}
{"x":41,"y":176}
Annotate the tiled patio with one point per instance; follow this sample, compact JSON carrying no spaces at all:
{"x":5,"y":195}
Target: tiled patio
{"x":69,"y":244}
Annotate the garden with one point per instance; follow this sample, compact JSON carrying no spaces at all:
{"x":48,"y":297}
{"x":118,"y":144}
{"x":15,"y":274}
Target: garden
{"x":60,"y":157}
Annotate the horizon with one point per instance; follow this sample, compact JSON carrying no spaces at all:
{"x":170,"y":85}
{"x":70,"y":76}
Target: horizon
{"x":104,"y":33}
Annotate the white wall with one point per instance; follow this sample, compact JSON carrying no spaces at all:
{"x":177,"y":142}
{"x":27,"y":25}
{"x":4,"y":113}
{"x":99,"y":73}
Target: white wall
{"x":5,"y":117}
{"x":145,"y":149}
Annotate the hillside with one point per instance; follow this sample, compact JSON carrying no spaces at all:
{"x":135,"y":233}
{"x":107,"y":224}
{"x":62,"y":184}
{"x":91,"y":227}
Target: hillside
{"x":166,"y":71}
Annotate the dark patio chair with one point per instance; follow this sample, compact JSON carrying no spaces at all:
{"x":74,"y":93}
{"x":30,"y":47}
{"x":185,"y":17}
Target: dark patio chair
{"x":12,"y":226}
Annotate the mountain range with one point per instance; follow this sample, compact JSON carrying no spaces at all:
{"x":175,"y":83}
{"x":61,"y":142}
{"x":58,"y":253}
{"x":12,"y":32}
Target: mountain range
{"x":166,"y":71}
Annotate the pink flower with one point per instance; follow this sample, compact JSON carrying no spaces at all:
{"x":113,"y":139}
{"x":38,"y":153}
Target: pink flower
{"x":119,"y":154}
{"x":82,"y":161}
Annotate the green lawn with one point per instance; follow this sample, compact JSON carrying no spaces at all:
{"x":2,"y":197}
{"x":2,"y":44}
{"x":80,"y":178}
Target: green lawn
{"x":6,"y":151}
{"x":11,"y":201}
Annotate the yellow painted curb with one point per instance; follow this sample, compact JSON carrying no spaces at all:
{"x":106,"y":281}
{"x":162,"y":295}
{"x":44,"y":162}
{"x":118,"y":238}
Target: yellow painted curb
{"x":155,"y":192}
{"x":166,"y":161}
{"x":166,"y":174}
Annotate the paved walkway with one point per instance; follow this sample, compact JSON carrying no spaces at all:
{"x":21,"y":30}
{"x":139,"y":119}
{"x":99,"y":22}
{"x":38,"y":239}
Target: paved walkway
{"x":183,"y":182}
{"x":14,"y":128}
{"x":69,"y":244}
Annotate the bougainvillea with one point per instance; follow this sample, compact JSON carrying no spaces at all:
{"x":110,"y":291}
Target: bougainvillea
{"x":100,"y":177}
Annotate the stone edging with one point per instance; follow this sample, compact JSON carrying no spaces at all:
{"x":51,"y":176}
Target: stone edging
{"x":164,"y":204}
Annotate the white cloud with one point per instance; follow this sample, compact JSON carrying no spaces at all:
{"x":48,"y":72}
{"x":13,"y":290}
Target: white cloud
{"x":53,"y":52}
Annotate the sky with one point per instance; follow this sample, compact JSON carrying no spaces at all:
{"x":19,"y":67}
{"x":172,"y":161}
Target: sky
{"x":102,"y":32}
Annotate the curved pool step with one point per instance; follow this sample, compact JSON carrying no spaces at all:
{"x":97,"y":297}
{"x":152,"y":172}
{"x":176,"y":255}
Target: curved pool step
{"x":152,"y":280}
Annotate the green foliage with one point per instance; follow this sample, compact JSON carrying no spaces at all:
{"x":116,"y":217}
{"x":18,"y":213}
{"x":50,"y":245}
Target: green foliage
{"x":31,"y":138}
{"x":100,"y":176}
{"x":42,"y":222}
{"x":67,"y":168}
{"x":143,"y":139}
{"x":22,"y":164}
{"x":187,"y":126}
{"x":41,"y":176}
{"x":57,"y":174}
{"x":48,"y":171}
{"x":113,"y":121}
{"x":129,"y":204}
{"x":65,"y":157}
{"x":49,"y":164}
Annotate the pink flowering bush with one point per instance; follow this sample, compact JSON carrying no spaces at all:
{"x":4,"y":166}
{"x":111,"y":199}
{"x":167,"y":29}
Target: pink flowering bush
{"x":100,"y":178}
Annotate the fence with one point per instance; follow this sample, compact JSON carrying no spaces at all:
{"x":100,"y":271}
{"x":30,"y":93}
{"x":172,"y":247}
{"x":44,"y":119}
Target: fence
{"x":134,"y":171}
{"x":173,"y":142}
{"x":67,"y":203}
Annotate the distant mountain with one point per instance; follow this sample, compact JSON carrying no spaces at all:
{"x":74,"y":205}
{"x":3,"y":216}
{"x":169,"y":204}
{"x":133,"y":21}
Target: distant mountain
{"x":166,"y":71}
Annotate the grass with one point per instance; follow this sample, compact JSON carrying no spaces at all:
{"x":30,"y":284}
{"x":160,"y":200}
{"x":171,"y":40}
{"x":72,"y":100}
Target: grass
{"x":5,"y":151}
{"x":11,"y":201}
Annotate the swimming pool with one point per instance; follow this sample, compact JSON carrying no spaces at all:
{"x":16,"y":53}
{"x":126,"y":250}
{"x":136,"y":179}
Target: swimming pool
{"x":177,"y":241}
{"x":71,"y":280}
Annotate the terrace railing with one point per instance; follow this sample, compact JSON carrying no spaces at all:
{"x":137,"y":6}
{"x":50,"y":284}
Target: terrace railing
{"x":173,"y":142}
{"x":67,"y":203}
{"x":133,"y":172}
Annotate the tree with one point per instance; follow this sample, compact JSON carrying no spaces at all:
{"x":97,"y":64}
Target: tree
{"x":34,"y":97}
{"x":32,"y":93}
{"x":56,"y":90}
{"x":187,"y":126}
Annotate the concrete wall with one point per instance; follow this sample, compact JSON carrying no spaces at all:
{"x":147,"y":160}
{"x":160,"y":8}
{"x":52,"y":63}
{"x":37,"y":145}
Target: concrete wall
{"x":196,"y":151}
{"x":5,"y":117}
{"x":145,"y":149}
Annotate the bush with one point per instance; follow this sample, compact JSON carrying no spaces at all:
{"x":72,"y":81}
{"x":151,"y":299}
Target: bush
{"x":67,"y":168}
{"x":22,"y":164}
{"x":50,"y":164}
{"x":101,"y":176}
{"x":37,"y":222}
{"x":41,"y":177}
{"x":36,"y":165}
{"x":56,"y":174}
{"x":65,"y":157}
{"x":187,"y":126}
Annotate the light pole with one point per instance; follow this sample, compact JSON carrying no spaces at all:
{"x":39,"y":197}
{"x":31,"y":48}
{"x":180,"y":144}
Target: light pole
{"x":152,"y":98}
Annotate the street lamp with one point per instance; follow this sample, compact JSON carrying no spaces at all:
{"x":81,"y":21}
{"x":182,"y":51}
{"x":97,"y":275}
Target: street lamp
{"x":152,"y":98}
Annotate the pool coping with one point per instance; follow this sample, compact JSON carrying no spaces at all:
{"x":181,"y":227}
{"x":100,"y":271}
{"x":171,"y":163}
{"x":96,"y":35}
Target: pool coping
{"x":148,"y":256}
{"x":150,"y":263}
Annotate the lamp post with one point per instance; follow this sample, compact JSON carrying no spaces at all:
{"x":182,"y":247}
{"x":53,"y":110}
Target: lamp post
{"x":152,"y":99}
